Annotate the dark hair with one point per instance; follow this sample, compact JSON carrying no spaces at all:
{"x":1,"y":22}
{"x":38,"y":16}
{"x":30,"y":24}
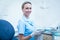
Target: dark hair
{"x":25,"y":3}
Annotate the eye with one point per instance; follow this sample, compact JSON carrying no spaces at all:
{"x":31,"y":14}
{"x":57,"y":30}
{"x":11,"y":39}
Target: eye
{"x":28,"y":8}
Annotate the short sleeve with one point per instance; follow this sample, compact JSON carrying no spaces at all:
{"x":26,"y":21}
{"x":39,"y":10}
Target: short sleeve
{"x":21,"y":27}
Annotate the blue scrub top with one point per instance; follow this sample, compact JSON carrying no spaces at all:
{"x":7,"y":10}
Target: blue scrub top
{"x":26,"y":27}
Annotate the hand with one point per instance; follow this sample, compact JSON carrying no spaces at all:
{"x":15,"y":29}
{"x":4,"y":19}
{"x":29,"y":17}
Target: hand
{"x":38,"y":32}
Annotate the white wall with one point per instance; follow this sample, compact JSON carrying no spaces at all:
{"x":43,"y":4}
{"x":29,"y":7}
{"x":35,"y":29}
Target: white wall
{"x":9,"y":10}
{"x":45,"y":13}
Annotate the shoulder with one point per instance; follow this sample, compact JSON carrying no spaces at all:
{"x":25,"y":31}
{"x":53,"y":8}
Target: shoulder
{"x":21,"y":21}
{"x":21,"y":24}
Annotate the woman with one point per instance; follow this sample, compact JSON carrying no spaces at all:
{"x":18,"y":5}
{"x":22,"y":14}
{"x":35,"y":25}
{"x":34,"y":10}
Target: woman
{"x":25,"y":25}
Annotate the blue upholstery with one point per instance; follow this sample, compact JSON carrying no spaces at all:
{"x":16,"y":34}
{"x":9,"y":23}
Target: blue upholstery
{"x":6,"y":30}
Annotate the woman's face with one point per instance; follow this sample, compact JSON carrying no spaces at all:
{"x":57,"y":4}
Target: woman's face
{"x":27,"y":9}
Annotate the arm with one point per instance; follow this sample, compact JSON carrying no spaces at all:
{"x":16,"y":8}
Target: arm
{"x":21,"y":37}
{"x":21,"y":30}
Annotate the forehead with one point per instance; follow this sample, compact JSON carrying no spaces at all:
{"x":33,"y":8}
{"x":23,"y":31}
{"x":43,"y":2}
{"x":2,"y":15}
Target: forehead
{"x":27,"y":5}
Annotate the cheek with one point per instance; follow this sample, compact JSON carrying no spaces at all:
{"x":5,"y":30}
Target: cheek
{"x":28,"y":11}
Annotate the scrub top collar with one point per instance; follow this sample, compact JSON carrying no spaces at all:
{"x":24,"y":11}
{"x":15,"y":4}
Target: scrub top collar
{"x":26,"y":19}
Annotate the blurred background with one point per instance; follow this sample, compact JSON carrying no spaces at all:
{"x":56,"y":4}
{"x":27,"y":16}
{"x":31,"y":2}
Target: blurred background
{"x":45,"y":13}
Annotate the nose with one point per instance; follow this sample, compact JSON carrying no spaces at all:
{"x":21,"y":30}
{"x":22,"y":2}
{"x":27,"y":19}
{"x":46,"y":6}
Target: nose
{"x":29,"y":9}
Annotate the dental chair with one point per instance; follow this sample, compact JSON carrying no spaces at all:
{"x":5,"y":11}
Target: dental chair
{"x":6,"y":30}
